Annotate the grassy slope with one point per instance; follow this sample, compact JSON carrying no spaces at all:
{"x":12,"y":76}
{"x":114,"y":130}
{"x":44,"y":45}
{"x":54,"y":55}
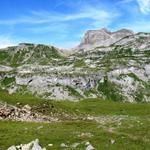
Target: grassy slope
{"x":133,"y":133}
{"x":90,"y":106}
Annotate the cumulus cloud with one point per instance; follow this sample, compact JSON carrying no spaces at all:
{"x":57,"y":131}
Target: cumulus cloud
{"x":144,"y":6}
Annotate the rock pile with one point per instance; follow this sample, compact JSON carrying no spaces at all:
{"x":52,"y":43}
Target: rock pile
{"x":25,"y":113}
{"x":5,"y":111}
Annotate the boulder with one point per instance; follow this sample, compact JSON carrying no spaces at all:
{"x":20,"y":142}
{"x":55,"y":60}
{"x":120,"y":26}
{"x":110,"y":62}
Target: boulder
{"x":12,"y":148}
{"x":63,"y":145}
{"x":27,"y":146}
{"x":34,"y":145}
{"x":89,"y":146}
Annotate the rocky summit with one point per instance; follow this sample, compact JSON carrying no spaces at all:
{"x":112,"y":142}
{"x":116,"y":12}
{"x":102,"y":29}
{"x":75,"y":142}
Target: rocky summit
{"x":107,"y":65}
{"x":102,"y":38}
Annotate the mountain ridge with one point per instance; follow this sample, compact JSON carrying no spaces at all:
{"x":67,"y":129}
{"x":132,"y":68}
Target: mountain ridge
{"x":120,"y":71}
{"x":102,"y":37}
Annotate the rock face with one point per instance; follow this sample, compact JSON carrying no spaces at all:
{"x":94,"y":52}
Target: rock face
{"x":116,"y":67}
{"x":101,"y":38}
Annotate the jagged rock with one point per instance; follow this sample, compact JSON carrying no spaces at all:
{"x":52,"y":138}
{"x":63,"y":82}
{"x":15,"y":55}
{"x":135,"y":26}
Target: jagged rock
{"x":5,"y":111}
{"x":102,"y":37}
{"x":63,"y":145}
{"x":34,"y":145}
{"x":89,"y":146}
{"x":12,"y":148}
{"x":27,"y":107}
{"x":10,"y":112}
{"x":112,"y":141}
{"x":26,"y":146}
{"x":75,"y":145}
{"x":5,"y":68}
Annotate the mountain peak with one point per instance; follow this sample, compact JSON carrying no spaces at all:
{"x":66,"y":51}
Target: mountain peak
{"x":102,"y":37}
{"x":105,"y":30}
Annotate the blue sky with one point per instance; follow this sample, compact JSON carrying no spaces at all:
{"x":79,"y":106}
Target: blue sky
{"x":63,"y":22}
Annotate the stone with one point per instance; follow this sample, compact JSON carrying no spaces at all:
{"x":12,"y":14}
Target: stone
{"x":27,"y":146}
{"x":75,"y":145}
{"x":12,"y":148}
{"x":112,"y":141}
{"x":26,"y":107}
{"x":50,"y":145}
{"x":63,"y":145}
{"x":34,"y":145}
{"x":40,"y":127}
{"x":89,"y":146}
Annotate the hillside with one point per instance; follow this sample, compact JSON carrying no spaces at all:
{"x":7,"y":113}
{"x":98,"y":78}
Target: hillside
{"x":118,"y":70}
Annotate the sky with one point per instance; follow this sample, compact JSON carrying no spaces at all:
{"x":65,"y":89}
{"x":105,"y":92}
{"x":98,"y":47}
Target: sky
{"x":62,"y":23}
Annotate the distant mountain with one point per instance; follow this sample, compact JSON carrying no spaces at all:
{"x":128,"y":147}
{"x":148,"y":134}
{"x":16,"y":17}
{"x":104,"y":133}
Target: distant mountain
{"x":107,"y":65}
{"x":27,"y":53}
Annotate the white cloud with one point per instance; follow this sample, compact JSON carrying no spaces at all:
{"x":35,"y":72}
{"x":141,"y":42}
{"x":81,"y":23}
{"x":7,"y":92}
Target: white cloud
{"x":5,"y":41}
{"x":53,"y":28}
{"x":49,"y":21}
{"x":144,"y":6}
{"x":42,"y":17}
{"x":87,"y":12}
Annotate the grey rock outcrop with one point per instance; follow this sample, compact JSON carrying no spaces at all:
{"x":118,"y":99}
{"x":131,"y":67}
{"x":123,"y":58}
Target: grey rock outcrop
{"x":102,"y":38}
{"x":34,"y":145}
